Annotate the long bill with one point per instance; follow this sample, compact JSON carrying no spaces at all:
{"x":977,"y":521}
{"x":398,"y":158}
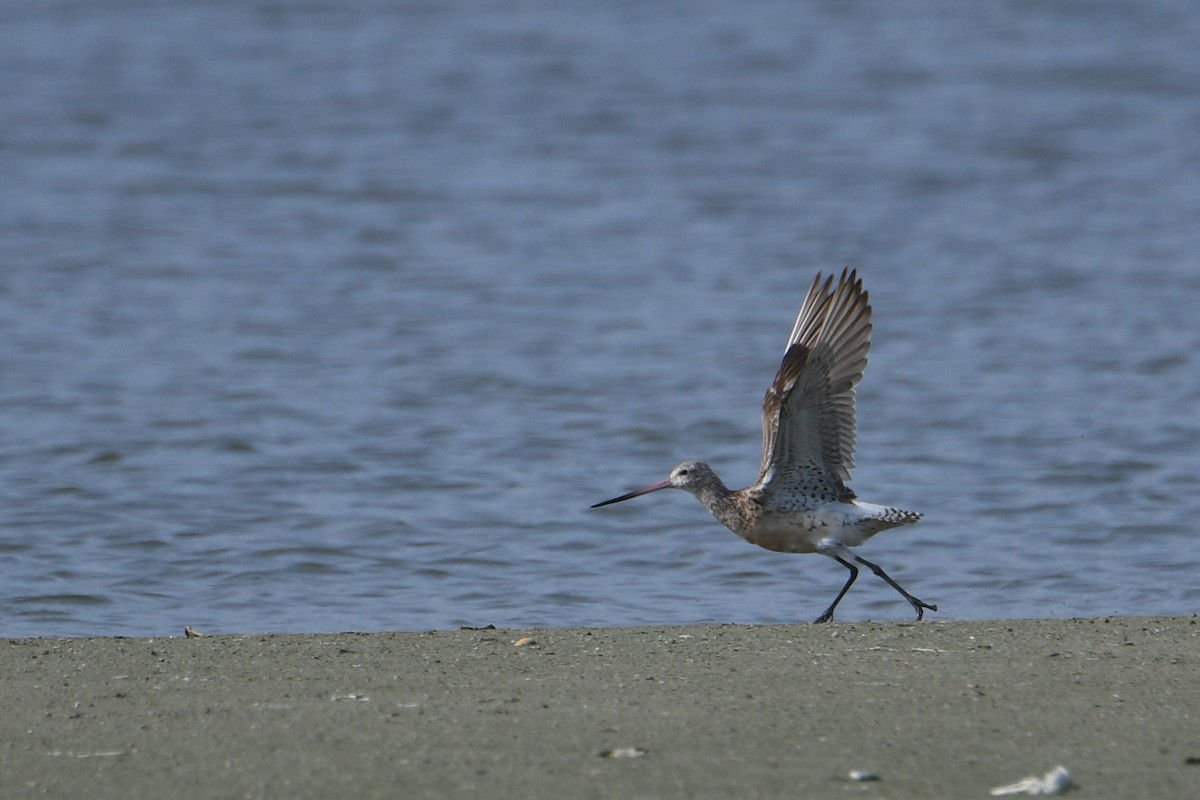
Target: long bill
{"x":654,"y":487}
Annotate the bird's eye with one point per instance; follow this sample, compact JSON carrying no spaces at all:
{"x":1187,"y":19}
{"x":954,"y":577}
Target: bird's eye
{"x":683,"y":472}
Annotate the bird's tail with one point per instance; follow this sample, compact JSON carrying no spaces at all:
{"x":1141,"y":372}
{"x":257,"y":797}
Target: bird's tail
{"x":876,"y":518}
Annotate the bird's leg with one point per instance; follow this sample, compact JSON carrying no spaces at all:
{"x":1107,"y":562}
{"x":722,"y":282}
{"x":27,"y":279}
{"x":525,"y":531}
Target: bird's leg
{"x":828,"y":615}
{"x":918,"y":605}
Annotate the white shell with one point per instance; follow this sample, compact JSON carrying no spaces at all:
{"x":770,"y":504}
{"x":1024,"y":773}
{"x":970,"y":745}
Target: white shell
{"x":1056,"y":781}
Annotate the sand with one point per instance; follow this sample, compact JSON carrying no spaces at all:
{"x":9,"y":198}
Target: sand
{"x":932,"y":709}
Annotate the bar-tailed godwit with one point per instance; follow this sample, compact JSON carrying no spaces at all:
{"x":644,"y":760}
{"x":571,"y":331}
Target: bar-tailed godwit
{"x":801,"y":503}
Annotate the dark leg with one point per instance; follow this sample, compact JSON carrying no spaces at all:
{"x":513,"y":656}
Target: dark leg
{"x":918,"y":605}
{"x":828,"y":615}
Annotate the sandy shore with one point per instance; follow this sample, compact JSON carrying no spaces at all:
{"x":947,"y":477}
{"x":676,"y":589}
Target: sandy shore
{"x":933,"y":709}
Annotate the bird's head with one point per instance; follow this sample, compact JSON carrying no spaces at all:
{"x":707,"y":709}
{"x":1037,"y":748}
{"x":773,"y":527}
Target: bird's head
{"x":691,"y":476}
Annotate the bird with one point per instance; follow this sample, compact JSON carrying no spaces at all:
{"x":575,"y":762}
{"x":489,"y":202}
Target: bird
{"x":801,"y":502}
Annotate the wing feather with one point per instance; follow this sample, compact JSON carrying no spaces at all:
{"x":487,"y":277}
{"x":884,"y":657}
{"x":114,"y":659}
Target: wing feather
{"x":808,"y":411}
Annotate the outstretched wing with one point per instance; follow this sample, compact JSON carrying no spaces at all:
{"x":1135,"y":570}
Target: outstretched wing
{"x":808,"y":413}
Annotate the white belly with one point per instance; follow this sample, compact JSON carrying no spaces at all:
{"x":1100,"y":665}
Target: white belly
{"x":846,"y":524}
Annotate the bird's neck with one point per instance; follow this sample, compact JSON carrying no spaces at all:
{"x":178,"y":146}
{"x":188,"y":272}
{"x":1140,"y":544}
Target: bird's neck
{"x":723,"y":504}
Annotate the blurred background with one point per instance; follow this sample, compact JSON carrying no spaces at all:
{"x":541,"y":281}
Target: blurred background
{"x":338,"y":315}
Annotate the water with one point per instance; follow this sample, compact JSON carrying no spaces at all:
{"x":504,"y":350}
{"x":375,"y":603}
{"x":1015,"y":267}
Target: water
{"x":338,"y":316}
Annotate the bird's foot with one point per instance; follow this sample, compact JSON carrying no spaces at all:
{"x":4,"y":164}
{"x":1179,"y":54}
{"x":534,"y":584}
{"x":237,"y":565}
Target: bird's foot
{"x":826,"y":615}
{"x":920,"y":606}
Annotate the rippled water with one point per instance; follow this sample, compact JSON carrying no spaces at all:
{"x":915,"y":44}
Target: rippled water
{"x":339,"y":316}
